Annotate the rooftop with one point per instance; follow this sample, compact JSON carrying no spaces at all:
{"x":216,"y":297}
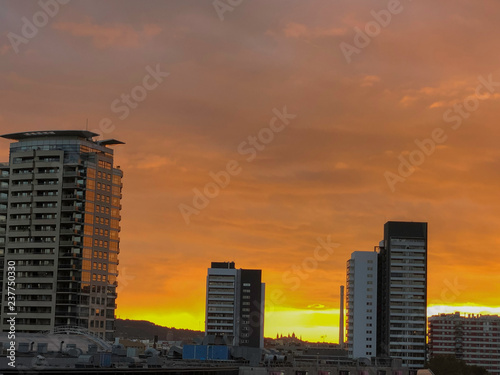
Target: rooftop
{"x":460,"y":315}
{"x":51,"y":133}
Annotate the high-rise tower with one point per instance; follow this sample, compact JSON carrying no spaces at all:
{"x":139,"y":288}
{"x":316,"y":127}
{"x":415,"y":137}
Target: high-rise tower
{"x":402,"y":293}
{"x":59,"y":227}
{"x":235,"y":304}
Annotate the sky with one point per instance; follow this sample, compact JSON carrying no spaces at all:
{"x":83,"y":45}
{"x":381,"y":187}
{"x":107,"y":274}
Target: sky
{"x":279,"y":135}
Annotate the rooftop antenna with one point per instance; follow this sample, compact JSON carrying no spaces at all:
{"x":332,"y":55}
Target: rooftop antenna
{"x":87,"y":125}
{"x":341,"y":322}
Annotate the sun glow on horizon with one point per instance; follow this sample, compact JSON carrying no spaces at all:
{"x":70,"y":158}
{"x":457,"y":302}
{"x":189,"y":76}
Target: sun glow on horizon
{"x":313,"y":325}
{"x":462,"y":309}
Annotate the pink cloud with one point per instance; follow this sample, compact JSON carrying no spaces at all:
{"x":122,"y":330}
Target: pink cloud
{"x":4,"y":49}
{"x":117,"y":35}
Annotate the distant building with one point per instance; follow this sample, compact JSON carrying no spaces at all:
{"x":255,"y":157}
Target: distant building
{"x":402,"y":293}
{"x":362,"y":304}
{"x":60,"y":207}
{"x":139,"y":346}
{"x":235,"y":304}
{"x":472,"y":338}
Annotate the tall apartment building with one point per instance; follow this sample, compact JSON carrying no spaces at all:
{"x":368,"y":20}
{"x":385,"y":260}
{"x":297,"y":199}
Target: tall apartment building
{"x":402,"y":293}
{"x":235,"y":304}
{"x":472,"y":338}
{"x":4,"y":194}
{"x":362,"y":304}
{"x":59,"y":226}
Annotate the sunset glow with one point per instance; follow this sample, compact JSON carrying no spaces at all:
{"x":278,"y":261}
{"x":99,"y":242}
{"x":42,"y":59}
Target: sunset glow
{"x":404,"y":129}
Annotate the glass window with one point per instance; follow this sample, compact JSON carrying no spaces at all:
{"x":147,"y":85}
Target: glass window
{"x":86,"y":266}
{"x":87,"y":253}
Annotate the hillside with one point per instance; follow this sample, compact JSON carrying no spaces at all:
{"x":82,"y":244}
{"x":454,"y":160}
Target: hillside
{"x":142,"y":329}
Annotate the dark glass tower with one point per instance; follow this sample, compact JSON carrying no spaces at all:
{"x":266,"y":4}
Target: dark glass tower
{"x":235,"y":304}
{"x":402,"y":293}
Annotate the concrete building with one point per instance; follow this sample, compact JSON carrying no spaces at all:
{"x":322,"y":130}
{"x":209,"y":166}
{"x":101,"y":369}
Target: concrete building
{"x":4,"y":194}
{"x":59,"y":228}
{"x":402,"y":293}
{"x":235,"y":305}
{"x":362,"y":304}
{"x":472,"y":338}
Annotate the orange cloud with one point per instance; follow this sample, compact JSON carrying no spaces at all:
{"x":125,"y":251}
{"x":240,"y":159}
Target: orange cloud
{"x":322,"y":175}
{"x":297,"y":30}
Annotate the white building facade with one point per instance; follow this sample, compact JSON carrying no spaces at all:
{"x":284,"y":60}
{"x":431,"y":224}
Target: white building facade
{"x":361,"y":299}
{"x":235,"y":305}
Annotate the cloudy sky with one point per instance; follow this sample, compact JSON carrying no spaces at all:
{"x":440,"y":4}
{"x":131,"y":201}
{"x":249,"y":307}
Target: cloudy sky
{"x":333,"y":117}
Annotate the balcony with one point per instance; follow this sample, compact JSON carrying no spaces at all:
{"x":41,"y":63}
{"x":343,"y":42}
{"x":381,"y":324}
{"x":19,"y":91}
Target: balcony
{"x":69,"y":231}
{"x":20,"y":201}
{"x":20,"y":210}
{"x":71,"y":219}
{"x":68,"y":290}
{"x":69,"y":243}
{"x":63,"y":301}
{"x":66,"y":314}
{"x":72,"y":173}
{"x":44,"y":220}
{"x":72,"y":197}
{"x":70,"y":207}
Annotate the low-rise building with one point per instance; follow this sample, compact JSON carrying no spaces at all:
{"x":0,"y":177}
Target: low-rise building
{"x":472,"y":338}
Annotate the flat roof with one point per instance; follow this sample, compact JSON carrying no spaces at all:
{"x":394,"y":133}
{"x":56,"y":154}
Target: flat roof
{"x":51,"y":133}
{"x":110,"y":142}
